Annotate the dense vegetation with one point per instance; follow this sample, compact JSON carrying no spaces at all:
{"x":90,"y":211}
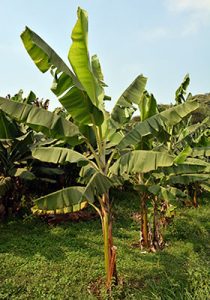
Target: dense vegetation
{"x":128,"y":169}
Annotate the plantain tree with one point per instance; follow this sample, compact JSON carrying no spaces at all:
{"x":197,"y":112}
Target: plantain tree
{"x":155,"y":133}
{"x":16,"y":142}
{"x":80,"y":89}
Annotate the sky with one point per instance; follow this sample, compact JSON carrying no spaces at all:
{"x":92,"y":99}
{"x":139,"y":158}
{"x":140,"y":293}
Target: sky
{"x":163,"y":40}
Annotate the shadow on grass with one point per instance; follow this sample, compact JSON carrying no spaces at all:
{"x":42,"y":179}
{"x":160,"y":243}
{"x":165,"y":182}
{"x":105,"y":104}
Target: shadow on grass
{"x":53,"y":243}
{"x":181,"y":270}
{"x":192,"y":226}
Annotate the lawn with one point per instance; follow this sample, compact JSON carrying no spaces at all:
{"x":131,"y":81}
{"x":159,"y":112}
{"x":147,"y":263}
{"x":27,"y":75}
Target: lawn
{"x":65,"y":261}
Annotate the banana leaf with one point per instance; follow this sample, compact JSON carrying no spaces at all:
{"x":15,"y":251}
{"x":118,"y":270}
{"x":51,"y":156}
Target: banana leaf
{"x":97,"y":71}
{"x":188,"y":178}
{"x":192,"y":129}
{"x":182,"y":89}
{"x":147,"y":106}
{"x":66,"y":85}
{"x":8,"y":128}
{"x":166,"y":193}
{"x":140,"y":161}
{"x":73,"y":198}
{"x":52,"y":125}
{"x":59,"y":155}
{"x":124,"y":109}
{"x":156,"y":125}
{"x":201,"y":151}
{"x":80,"y":61}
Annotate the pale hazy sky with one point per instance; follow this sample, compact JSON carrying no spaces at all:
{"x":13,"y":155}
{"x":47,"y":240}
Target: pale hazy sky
{"x":162,"y":39}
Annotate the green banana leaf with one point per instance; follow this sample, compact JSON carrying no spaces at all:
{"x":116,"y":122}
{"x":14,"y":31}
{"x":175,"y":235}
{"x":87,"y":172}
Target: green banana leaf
{"x":188,"y":178}
{"x":97,"y":71}
{"x":20,"y":98}
{"x":140,"y":161}
{"x":52,"y":125}
{"x":181,"y":157}
{"x":15,"y":152}
{"x":66,"y":85}
{"x":187,"y":132}
{"x":59,"y":155}
{"x":124,"y":109}
{"x":8,"y":128}
{"x":63,"y":201}
{"x":78,"y":105}
{"x":86,"y":173}
{"x":80,"y":61}
{"x":168,"y":194}
{"x":20,"y":148}
{"x":189,"y":166}
{"x":147,"y":106}
{"x":73,"y":198}
{"x":45,"y":57}
{"x":156,"y":125}
{"x":182,"y":89}
{"x":205,"y":186}
{"x":201,"y":151}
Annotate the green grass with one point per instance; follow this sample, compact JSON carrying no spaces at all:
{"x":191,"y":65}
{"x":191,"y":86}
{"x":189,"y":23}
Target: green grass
{"x":65,"y":262}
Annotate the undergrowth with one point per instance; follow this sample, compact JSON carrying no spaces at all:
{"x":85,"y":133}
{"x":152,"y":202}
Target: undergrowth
{"x":61,"y":262}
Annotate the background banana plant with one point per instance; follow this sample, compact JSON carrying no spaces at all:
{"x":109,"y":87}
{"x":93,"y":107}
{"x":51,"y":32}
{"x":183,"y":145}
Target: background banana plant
{"x":17,"y":168}
{"x":156,"y":132}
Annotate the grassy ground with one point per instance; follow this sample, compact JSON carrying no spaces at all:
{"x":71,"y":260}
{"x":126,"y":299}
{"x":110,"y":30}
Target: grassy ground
{"x":65,"y":262}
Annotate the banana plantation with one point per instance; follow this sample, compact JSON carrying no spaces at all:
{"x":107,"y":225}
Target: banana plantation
{"x":97,"y":204}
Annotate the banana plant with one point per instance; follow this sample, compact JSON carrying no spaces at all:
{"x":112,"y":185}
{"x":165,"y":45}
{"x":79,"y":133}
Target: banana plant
{"x":16,"y":141}
{"x":80,"y":89}
{"x":14,"y":156}
{"x":154,"y":133}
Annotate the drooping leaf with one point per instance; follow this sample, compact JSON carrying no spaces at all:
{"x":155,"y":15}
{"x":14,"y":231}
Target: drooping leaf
{"x":73,"y":198}
{"x":201,"y":151}
{"x":86,"y":173}
{"x":63,"y":201}
{"x":156,"y":125}
{"x":140,"y":161}
{"x":189,"y":166}
{"x":78,"y":104}
{"x":188,"y":178}
{"x":39,"y":119}
{"x":59,"y":155}
{"x":98,"y":185}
